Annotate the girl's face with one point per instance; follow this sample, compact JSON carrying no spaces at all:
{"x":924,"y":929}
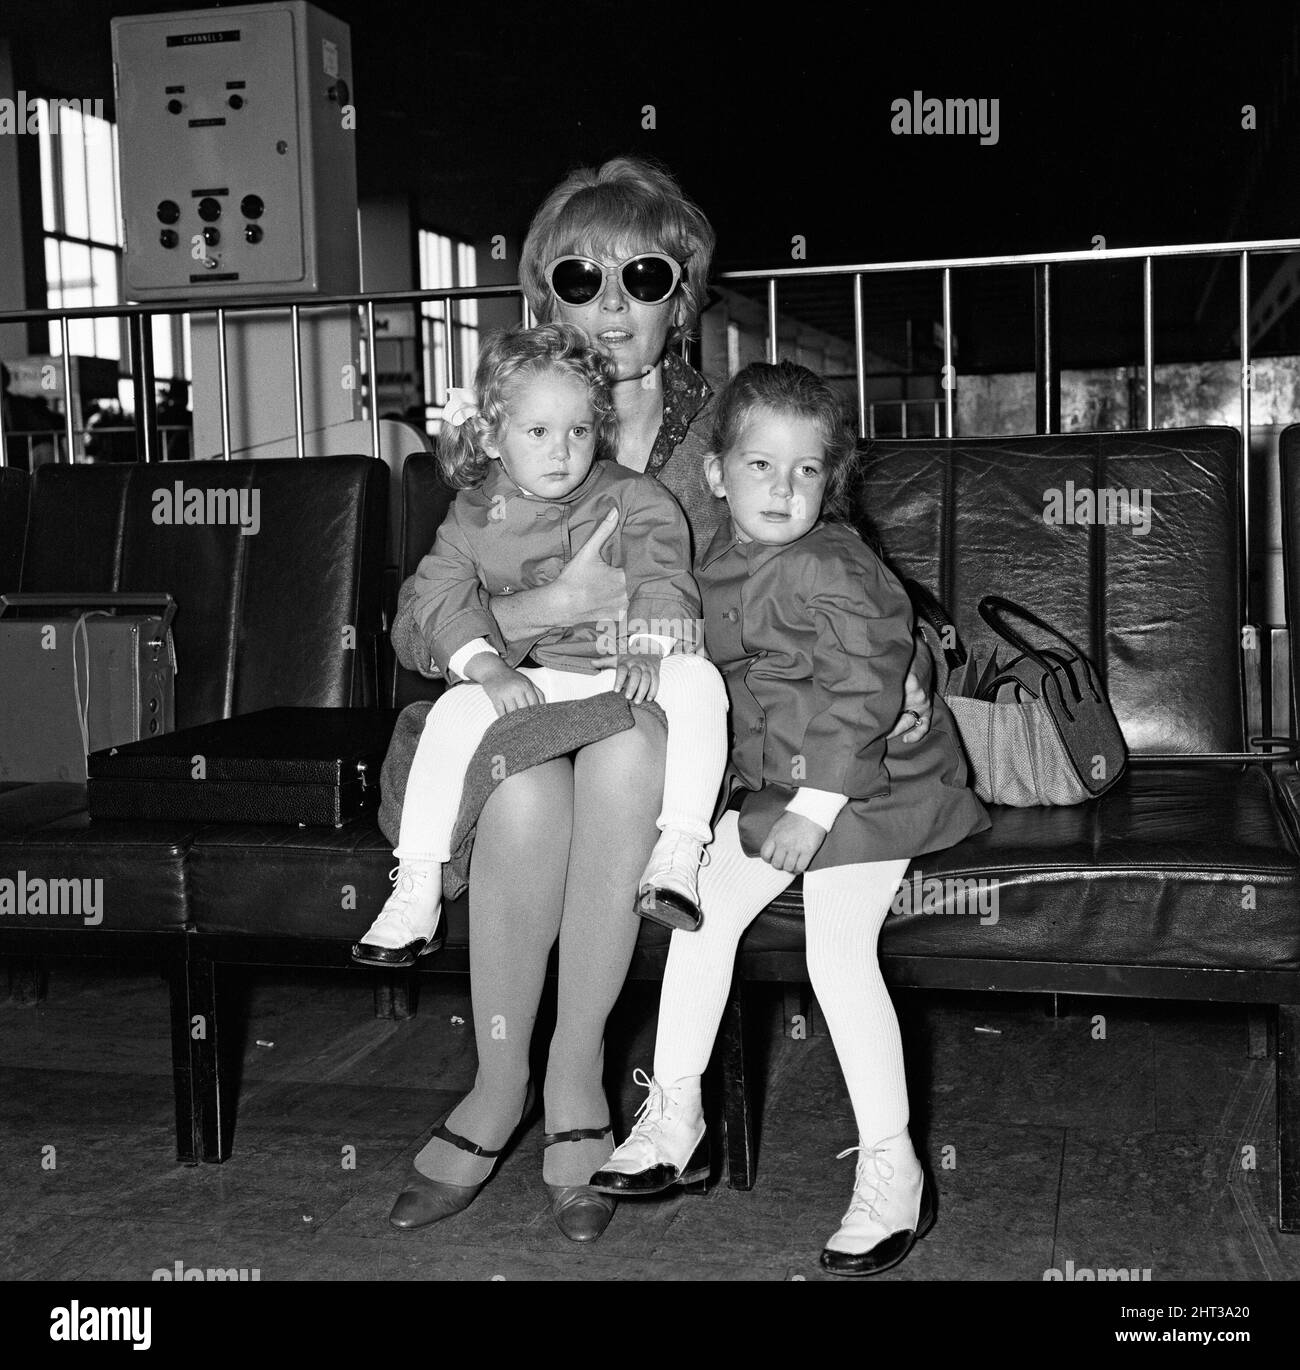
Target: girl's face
{"x":631,"y":334}
{"x":773,"y":478}
{"x":548,"y":441}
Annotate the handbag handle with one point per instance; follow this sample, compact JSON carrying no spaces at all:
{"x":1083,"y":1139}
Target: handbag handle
{"x":993,"y":608}
{"x":930,"y":611}
{"x":108,"y":599}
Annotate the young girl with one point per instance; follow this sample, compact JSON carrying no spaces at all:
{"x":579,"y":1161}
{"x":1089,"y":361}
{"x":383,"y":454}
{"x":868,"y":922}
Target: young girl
{"x":525,"y":449}
{"x":813,"y":635}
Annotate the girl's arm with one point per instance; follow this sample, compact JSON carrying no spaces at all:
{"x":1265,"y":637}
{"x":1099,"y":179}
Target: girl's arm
{"x":663,"y":609}
{"x":862,"y":655}
{"x":443,"y":607}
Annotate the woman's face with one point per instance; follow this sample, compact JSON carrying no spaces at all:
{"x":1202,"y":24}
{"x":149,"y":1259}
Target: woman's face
{"x":631,"y":334}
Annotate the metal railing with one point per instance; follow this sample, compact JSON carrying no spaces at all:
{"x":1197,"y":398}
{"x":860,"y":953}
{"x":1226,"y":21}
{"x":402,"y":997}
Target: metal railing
{"x":1045,"y":370}
{"x":140,"y":353}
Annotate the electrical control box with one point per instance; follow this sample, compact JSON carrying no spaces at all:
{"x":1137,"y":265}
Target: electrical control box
{"x":236,"y":152}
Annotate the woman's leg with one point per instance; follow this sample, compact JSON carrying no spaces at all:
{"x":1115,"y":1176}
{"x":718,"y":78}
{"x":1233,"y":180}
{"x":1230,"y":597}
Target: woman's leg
{"x":517,"y":880}
{"x":618,"y":786}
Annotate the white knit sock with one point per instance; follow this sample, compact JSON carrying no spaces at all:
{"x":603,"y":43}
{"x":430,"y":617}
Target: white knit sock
{"x":844,"y":908}
{"x":734,"y":890}
{"x":694,"y":701}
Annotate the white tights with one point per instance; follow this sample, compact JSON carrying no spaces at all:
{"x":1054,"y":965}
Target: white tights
{"x":691,"y":694}
{"x":844,"y":908}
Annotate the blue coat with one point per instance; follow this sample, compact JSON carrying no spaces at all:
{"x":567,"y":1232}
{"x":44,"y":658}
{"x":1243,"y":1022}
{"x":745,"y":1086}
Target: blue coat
{"x":814,"y":640}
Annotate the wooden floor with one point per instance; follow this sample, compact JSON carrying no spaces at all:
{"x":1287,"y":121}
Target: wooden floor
{"x":1148,"y":1148}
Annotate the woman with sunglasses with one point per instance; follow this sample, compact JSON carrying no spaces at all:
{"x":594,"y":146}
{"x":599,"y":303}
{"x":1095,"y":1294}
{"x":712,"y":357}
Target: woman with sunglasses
{"x":623,"y":254}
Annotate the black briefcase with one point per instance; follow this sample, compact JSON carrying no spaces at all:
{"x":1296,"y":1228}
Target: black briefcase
{"x":317,"y":767}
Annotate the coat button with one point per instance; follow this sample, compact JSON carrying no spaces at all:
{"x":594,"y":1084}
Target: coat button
{"x":756,"y":727}
{"x":731,"y":616}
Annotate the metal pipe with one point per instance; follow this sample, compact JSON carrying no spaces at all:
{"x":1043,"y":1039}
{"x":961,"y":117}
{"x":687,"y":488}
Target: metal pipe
{"x":67,"y":388}
{"x":1043,"y":361}
{"x":147,"y":402}
{"x":771,"y":320}
{"x":1113,"y":254}
{"x":372,"y":368}
{"x":860,"y":354}
{"x":949,"y":378}
{"x":446,"y":351}
{"x":453,"y":361}
{"x":223,"y":385}
{"x":4,"y":440}
{"x":1149,"y":339}
{"x":1244,"y":325}
{"x":294,"y":317}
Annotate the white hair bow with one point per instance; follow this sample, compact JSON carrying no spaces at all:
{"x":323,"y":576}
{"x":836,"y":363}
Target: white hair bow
{"x":461,"y":405}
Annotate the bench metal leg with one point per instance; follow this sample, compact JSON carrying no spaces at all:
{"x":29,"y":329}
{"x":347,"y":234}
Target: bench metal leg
{"x":189,"y":1140}
{"x":801,"y":1012}
{"x":1288,"y":1117}
{"x":1261,"y":1033}
{"x":206,"y":1056}
{"x":397,"y":994}
{"x":739,"y":1124}
{"x":29,"y":979}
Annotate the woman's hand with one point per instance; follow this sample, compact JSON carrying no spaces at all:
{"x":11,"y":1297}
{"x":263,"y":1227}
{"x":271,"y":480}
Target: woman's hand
{"x":914,"y":721}
{"x":507,"y":688}
{"x":590,"y":589}
{"x":637,"y":678}
{"x":792,"y":843}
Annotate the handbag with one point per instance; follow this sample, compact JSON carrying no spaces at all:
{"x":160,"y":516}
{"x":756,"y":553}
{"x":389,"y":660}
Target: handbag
{"x":1038,"y":728}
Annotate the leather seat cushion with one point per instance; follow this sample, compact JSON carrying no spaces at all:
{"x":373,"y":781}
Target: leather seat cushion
{"x":278,"y":881}
{"x":1174,"y":866}
{"x":46,"y":834}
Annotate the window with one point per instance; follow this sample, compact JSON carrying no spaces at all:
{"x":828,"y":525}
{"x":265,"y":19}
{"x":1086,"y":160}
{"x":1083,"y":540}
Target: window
{"x":445,"y":262}
{"x":83,"y":242}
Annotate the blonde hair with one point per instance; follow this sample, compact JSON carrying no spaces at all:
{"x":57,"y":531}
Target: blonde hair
{"x":627,"y":202}
{"x":505,"y":358}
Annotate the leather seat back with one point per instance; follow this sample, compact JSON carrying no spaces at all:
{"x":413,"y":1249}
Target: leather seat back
{"x":426,"y":497}
{"x":1160,"y":612}
{"x":287,"y":613}
{"x":13,"y":525}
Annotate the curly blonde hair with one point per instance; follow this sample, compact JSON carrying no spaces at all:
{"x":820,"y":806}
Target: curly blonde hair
{"x":628,"y":202}
{"x":506,"y":358}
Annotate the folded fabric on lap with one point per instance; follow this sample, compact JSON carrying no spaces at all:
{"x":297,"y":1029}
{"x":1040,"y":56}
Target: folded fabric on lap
{"x":515,"y":742}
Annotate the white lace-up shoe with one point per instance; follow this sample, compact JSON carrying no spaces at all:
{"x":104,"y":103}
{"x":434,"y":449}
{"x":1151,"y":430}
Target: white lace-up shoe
{"x":407,"y":926}
{"x":665,"y":1146}
{"x":668,"y":892}
{"x":891,"y":1210}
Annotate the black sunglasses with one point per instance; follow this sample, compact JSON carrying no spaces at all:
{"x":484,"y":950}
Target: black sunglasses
{"x":649,"y":277}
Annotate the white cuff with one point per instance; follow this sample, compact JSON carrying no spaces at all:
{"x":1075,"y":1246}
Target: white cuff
{"x":462,"y":656}
{"x":822,"y":806}
{"x":667,"y":643}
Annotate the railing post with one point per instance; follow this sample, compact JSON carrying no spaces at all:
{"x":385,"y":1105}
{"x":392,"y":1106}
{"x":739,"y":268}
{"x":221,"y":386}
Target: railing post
{"x":223,"y":384}
{"x":949,"y":377}
{"x":1243,"y":323}
{"x":1149,"y":339}
{"x":140,"y":336}
{"x":67,"y":388}
{"x":771,"y":321}
{"x":373,"y":378}
{"x":298,"y":435}
{"x":1047,"y":393}
{"x":860,"y":353}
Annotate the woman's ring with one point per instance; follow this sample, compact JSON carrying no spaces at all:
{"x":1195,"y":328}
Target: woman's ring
{"x":914,"y":714}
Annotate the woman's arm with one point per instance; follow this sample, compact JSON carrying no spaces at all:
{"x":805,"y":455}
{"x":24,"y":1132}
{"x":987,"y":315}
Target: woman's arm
{"x":587,"y":590}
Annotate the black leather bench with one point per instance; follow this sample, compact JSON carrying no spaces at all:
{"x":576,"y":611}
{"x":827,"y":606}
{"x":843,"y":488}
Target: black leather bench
{"x":1183,"y":880}
{"x":1140,"y":893}
{"x":260,"y":623}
